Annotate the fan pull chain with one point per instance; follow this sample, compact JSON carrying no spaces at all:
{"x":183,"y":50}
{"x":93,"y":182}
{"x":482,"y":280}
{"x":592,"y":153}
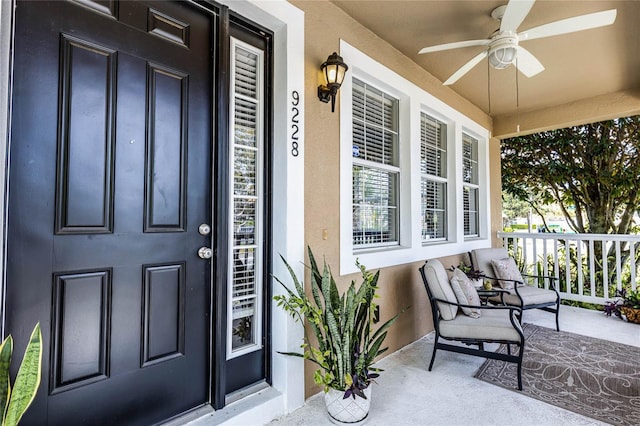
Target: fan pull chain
{"x":489,"y":85}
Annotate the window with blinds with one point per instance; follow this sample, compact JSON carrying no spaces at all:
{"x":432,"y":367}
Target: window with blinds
{"x":375,"y":167}
{"x":433,"y":183}
{"x":470,"y":191}
{"x":245,"y":245}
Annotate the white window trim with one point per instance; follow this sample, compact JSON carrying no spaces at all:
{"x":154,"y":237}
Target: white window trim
{"x":413,"y":100}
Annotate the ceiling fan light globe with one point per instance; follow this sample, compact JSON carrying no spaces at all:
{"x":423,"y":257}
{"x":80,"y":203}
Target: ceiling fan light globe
{"x":502,"y":57}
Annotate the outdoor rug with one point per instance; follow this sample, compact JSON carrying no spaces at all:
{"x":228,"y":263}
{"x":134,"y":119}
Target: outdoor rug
{"x":588,"y":376}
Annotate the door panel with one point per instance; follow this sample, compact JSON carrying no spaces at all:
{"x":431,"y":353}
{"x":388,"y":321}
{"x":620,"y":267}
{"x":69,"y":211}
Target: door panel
{"x":110,"y":178}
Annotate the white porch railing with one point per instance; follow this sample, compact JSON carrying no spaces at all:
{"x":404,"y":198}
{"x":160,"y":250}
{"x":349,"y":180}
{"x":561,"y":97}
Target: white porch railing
{"x":597,"y":264}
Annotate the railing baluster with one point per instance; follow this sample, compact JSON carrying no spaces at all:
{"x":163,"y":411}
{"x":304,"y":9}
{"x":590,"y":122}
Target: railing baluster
{"x":618,"y":268}
{"x":567,"y":266}
{"x":605,"y":270}
{"x":632,"y":261}
{"x":579,"y":266}
{"x":534,"y":259}
{"x":545,"y":264}
{"x":592,"y":268}
{"x":556,"y":264}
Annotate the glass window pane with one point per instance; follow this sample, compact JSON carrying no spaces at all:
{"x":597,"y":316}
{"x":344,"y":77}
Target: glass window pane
{"x":244,"y":221}
{"x":375,"y":125}
{"x":246,"y":72}
{"x":469,"y":159}
{"x":470,"y":207}
{"x":242,"y":325}
{"x":433,"y":203}
{"x":245,"y":123}
{"x":244,"y":171}
{"x":375,"y":208}
{"x":433,"y":146}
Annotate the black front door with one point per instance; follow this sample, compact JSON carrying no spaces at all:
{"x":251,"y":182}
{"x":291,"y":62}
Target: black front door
{"x":109,"y":181}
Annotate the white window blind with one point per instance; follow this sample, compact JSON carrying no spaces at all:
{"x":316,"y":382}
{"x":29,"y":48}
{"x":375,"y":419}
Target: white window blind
{"x":375,"y":167}
{"x":470,"y":185}
{"x":245,"y":245}
{"x":433,"y":184}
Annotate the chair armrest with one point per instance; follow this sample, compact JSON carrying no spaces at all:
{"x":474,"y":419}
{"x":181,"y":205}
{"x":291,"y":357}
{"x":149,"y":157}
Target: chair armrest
{"x":541,"y":276}
{"x":550,"y":278}
{"x":483,"y":307}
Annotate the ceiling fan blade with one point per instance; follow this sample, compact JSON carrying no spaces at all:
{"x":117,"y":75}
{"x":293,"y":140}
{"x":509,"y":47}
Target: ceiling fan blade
{"x":528,"y":64}
{"x":515,"y":13}
{"x":466,"y":68}
{"x":570,"y":25}
{"x":454,"y":45}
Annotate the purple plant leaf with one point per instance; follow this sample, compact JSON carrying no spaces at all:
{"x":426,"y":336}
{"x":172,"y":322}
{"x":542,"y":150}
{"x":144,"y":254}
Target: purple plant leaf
{"x":359,"y":392}
{"x":348,"y":393}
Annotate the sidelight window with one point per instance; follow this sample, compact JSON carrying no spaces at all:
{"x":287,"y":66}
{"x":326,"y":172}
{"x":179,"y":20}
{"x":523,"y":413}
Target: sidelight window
{"x":246,"y":243}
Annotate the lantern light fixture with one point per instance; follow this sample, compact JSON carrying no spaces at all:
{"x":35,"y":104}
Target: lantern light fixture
{"x":333,"y":70}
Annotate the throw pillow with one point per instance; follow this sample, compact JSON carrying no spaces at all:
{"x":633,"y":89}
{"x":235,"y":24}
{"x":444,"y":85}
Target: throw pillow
{"x":465,"y":293}
{"x":507,"y":269}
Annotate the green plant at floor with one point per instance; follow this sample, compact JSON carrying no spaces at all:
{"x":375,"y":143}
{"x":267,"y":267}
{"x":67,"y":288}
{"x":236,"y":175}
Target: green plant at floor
{"x":14,"y":402}
{"x":346,"y":344}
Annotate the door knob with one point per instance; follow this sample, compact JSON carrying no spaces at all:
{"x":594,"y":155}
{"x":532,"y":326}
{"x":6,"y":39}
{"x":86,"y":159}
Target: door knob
{"x":204,"y":229}
{"x":205,"y":253}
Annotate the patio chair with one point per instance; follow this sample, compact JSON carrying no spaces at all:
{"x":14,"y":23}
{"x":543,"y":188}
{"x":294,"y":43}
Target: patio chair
{"x":522,"y":294}
{"x":490,"y":324}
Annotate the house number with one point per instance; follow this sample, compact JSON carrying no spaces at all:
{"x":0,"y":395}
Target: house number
{"x":295,"y":100}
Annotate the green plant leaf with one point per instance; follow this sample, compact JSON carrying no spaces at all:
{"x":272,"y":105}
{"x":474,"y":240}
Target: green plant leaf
{"x":27,"y":380}
{"x":5,"y":385}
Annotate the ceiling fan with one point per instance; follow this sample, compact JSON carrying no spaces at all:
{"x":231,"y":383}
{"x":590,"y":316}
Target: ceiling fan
{"x":503,"y":46}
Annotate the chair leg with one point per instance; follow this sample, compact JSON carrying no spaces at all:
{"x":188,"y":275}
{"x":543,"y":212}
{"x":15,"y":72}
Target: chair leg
{"x":508,"y":349}
{"x":433,"y":355}
{"x":557,"y":316}
{"x":520,"y":374}
{"x":481,"y":346}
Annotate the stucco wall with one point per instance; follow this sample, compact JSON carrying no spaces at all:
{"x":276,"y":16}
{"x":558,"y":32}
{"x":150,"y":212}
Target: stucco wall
{"x":400,"y":286}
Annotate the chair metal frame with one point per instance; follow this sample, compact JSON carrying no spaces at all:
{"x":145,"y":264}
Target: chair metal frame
{"x":515,"y":315}
{"x":553,"y":307}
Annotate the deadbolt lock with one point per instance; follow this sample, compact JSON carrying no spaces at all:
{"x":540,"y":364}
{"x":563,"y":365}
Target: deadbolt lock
{"x":204,"y":229}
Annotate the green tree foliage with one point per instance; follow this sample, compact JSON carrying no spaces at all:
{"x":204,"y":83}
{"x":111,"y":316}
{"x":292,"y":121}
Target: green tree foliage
{"x":513,"y":207}
{"x":592,"y":172}
{"x":593,"y":169}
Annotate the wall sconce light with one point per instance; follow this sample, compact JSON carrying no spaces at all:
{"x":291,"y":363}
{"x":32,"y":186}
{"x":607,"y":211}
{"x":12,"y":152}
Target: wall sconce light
{"x":333,"y":70}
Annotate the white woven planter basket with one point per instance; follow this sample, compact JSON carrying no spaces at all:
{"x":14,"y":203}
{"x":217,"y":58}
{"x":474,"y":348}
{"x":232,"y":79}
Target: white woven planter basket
{"x":347,"y":411}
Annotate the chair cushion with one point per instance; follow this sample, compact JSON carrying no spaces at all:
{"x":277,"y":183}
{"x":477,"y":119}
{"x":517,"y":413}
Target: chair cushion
{"x":465,"y":292}
{"x":530,"y":296}
{"x":506,"y":269}
{"x":494,"y":324}
{"x":438,"y":282}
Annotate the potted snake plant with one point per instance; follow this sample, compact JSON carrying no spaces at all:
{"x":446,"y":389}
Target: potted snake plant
{"x":14,"y":400}
{"x":346,"y":341}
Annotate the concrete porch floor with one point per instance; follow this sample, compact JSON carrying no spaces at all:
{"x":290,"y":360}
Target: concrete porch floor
{"x":407,"y":394}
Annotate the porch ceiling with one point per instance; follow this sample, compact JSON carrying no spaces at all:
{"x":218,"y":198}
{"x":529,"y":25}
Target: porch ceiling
{"x":578,"y":66}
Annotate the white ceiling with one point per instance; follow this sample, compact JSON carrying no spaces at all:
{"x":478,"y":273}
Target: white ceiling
{"x":578,"y":66}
